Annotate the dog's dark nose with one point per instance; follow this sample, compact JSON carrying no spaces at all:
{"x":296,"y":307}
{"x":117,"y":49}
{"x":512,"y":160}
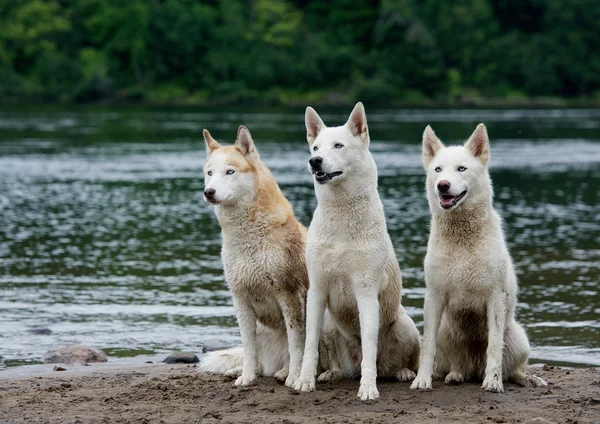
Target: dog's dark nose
{"x":209,"y":193}
{"x":316,"y":161}
{"x":443,"y":186}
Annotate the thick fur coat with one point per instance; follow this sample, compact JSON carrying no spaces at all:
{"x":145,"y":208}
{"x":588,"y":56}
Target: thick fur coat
{"x":470,"y":328}
{"x":263,"y":258}
{"x":352,"y":266}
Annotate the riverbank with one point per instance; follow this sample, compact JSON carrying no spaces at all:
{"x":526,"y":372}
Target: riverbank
{"x":152,"y":393}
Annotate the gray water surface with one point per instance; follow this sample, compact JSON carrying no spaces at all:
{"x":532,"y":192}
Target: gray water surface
{"x":105,"y":238}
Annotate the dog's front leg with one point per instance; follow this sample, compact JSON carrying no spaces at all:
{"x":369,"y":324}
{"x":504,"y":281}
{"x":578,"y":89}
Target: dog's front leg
{"x":315,"y":310}
{"x":292,"y":307}
{"x":432,"y":315}
{"x":247,"y":322}
{"x":496,"y":317}
{"x":368,"y":313}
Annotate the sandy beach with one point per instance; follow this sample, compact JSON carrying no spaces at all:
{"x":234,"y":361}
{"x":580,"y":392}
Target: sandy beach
{"x":159,"y":393}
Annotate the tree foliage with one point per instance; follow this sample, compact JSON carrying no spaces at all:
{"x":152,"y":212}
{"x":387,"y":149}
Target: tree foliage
{"x":296,"y":50}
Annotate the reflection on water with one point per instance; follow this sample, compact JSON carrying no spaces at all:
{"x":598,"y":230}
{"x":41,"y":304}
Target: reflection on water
{"x":105,"y":238}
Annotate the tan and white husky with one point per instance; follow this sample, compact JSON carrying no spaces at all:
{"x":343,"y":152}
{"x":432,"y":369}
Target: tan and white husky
{"x":351,"y":263}
{"x":470,"y":327}
{"x":264,"y":263}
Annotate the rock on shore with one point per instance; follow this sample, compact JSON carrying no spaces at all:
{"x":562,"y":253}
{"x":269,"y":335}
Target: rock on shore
{"x":75,"y":354}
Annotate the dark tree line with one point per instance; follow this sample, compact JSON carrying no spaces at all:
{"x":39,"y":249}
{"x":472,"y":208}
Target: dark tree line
{"x":285,"y":51}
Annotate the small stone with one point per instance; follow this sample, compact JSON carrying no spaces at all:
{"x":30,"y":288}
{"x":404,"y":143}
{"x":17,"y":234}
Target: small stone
{"x":58,"y":368}
{"x":75,"y":354}
{"x":545,"y":367}
{"x":537,"y":420}
{"x":40,"y":331}
{"x":182,"y":358}
{"x":148,"y":362}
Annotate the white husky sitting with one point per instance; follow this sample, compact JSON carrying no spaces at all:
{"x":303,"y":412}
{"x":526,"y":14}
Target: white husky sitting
{"x":470,"y":329}
{"x":351,"y":263}
{"x":264,"y":263}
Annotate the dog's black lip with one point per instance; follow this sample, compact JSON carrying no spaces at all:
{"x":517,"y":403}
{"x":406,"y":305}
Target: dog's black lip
{"x":455,"y":200}
{"x":322,"y":177}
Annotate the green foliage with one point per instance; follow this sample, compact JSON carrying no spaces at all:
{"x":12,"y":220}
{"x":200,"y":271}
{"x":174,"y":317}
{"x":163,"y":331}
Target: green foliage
{"x":293,"y":51}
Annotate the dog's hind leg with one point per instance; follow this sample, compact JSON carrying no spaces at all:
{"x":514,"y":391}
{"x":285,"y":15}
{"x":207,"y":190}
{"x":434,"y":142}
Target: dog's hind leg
{"x":406,"y":345}
{"x":516,"y":356}
{"x":329,"y":352}
{"x":233,"y":372}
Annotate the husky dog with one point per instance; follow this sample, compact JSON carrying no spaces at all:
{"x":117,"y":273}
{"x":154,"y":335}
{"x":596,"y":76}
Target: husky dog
{"x":351,"y":263}
{"x":470,"y":328}
{"x":264,"y":262}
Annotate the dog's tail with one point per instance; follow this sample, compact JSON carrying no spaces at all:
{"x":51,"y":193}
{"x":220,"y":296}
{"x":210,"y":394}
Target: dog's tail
{"x":272,"y":355}
{"x":221,"y":361}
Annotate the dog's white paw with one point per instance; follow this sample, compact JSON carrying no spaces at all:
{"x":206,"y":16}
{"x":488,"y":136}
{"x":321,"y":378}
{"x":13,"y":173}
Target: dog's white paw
{"x":493,"y":383}
{"x":330,"y":376}
{"x":281,"y":375}
{"x":292,"y":378}
{"x":368,"y":391}
{"x":243,"y":380}
{"x":233,"y":372}
{"x":406,"y":375}
{"x":421,"y":382}
{"x":535,"y":381}
{"x":305,"y":384}
{"x":454,"y":378}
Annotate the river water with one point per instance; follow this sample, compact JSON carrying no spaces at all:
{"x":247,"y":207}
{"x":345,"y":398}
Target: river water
{"x":106,"y":241}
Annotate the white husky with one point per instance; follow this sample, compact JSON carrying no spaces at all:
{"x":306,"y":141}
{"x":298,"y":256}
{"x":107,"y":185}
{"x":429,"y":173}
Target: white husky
{"x":264,"y":263}
{"x":470,"y":328}
{"x":351,"y":263}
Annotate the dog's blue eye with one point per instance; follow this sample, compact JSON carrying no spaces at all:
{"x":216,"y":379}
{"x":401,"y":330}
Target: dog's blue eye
{"x":315,"y":148}
{"x":209,"y":173}
{"x":438,"y":169}
{"x":338,"y":145}
{"x":461,"y":169}
{"x":230,"y":171}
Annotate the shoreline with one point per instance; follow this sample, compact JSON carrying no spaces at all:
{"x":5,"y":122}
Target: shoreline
{"x":161,"y":393}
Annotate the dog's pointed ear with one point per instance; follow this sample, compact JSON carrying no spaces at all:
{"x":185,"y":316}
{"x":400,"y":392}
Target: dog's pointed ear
{"x":357,"y":122}
{"x":244,"y":142}
{"x":431,"y":145}
{"x":211,"y":143}
{"x":479,"y":144}
{"x":314,"y":124}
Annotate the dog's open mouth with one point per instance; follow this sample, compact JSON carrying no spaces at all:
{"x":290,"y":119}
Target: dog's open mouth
{"x":448,"y":202}
{"x":323,"y":177}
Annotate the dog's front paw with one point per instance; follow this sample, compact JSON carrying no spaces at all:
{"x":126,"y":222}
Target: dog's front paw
{"x":330,"y":376}
{"x":454,"y":378}
{"x":406,"y":375}
{"x":281,"y":375}
{"x":368,"y":392}
{"x":305,"y":384}
{"x":493,"y":383}
{"x":244,"y":380}
{"x":421,"y":382}
{"x":292,"y":378}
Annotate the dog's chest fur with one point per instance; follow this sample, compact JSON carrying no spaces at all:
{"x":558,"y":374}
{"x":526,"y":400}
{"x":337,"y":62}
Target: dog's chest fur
{"x":263,"y":264}
{"x":348,"y":247}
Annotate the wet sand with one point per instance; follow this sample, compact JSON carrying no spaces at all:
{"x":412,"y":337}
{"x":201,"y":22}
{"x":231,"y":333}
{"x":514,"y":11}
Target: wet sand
{"x":105,"y":393}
